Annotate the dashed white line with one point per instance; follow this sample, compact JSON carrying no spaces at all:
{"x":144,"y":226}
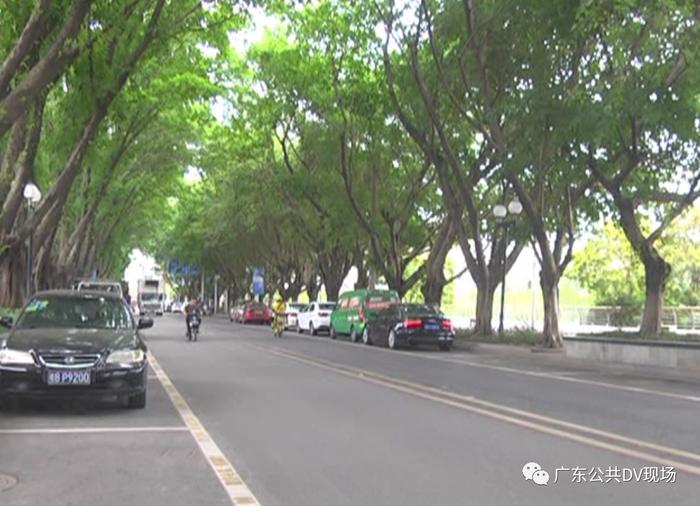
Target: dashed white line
{"x":235,"y":487}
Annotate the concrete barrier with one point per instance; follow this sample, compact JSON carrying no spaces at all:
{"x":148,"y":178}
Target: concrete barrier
{"x":675,"y":354}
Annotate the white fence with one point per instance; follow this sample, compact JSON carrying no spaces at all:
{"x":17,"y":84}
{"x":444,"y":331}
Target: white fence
{"x":576,"y":319}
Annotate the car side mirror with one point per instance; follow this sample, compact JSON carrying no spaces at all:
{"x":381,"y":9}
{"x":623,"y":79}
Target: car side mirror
{"x":6,"y":321}
{"x":145,"y":323}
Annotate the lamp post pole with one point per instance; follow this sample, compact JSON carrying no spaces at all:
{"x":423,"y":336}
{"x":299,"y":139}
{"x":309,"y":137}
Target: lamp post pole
{"x":30,"y":259}
{"x":501,"y":213}
{"x":32,"y":195}
{"x":505,"y":225}
{"x":216,"y":293}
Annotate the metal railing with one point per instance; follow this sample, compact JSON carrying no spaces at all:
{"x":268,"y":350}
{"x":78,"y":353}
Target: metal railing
{"x":575,"y":319}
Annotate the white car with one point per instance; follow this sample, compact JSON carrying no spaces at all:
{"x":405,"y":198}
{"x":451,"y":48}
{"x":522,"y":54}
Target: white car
{"x":293,"y":310}
{"x":315,"y":317}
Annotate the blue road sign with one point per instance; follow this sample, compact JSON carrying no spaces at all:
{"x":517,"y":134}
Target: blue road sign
{"x":258,"y":286}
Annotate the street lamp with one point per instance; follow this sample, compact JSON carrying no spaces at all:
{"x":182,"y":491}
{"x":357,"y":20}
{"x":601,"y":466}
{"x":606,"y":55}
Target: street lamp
{"x":501,"y":213}
{"x":32,"y":195}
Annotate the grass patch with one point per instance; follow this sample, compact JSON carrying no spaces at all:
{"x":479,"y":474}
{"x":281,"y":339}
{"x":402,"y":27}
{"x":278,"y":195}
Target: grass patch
{"x":517,"y":337}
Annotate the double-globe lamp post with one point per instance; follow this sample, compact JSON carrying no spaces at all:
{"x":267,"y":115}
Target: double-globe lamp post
{"x":501,"y":212}
{"x":32,"y":195}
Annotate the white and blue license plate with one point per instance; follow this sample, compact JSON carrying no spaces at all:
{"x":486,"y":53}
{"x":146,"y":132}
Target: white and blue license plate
{"x":431,"y":326}
{"x":69,"y":377}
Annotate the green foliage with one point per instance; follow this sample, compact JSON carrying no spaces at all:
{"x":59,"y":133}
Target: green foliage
{"x":609,"y":268}
{"x":517,"y":337}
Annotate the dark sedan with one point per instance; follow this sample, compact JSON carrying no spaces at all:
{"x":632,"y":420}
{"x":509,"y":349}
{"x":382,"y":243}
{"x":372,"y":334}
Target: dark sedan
{"x":69,"y":343}
{"x":410,"y":325}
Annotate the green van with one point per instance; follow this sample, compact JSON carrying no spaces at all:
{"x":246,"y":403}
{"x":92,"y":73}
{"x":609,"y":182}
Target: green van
{"x":354,"y":308}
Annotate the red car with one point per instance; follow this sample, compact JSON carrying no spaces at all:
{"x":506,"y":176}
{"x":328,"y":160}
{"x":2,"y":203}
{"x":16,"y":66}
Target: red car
{"x":256,"y":312}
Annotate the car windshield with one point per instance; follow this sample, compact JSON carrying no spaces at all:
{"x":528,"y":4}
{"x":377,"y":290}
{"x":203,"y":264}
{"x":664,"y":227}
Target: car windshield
{"x":378,"y":302}
{"x":100,"y":287}
{"x":327,"y":306}
{"x":75,"y":312}
{"x":422,"y":309}
{"x":150,"y":297}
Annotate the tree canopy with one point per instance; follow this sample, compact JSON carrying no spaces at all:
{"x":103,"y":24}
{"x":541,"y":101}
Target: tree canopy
{"x":354,"y":134}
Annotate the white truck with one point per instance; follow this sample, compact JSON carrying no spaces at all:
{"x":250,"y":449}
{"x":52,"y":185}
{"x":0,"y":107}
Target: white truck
{"x":151,"y":296}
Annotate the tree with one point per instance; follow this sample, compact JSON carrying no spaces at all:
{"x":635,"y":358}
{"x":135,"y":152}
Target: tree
{"x":442,"y":125}
{"x":644,"y":91}
{"x":114,"y":55}
{"x":609,"y":267}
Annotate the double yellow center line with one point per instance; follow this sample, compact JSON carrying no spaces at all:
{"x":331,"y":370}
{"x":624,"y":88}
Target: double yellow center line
{"x":631,"y":447}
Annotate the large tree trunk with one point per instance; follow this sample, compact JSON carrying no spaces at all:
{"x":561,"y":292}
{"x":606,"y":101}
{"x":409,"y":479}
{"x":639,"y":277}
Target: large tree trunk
{"x":550,"y":297}
{"x":334,"y":266}
{"x":332,"y":285}
{"x":432,"y":290}
{"x":13,"y":280}
{"x":292,"y":292}
{"x":312,"y":290}
{"x":656,"y":273}
{"x":363,"y":274}
{"x":435,"y":280}
{"x":485,"y":293}
{"x":62,"y":52}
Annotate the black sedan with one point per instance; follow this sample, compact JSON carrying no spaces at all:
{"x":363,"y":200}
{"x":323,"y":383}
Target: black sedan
{"x":411,"y":325}
{"x":75,"y":343}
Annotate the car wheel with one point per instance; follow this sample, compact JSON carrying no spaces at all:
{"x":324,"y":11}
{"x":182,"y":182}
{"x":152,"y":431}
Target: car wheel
{"x":391,"y":340}
{"x":353,"y":335}
{"x":137,"y":401}
{"x":299,"y":329}
{"x":445,"y":346}
{"x":365,"y":336}
{"x":331,"y":333}
{"x":312,"y":329}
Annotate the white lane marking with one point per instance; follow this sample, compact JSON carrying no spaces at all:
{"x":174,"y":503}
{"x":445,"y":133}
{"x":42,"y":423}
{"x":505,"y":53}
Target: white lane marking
{"x":237,"y":490}
{"x":489,"y":410}
{"x":513,"y":370}
{"x":91,"y":430}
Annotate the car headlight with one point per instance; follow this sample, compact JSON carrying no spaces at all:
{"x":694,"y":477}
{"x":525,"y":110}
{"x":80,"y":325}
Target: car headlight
{"x":8,"y":356}
{"x":126,"y":357}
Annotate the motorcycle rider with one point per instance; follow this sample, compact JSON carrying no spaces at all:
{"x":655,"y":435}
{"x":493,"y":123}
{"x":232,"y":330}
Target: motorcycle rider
{"x":279,"y":308}
{"x":191,"y":309}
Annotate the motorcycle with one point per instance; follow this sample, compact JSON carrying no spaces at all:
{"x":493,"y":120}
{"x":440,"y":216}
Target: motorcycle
{"x":278,"y":325}
{"x":193,"y":327}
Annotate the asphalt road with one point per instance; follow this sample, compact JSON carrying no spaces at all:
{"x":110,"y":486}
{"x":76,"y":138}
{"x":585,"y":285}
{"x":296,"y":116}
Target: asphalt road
{"x":310,"y":421}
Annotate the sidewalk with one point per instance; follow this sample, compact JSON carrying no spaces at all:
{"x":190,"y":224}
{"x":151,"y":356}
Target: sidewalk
{"x":522,"y":357}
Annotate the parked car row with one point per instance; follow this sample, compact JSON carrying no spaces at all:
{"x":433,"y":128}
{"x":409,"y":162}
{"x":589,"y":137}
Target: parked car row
{"x":374,"y":317}
{"x":379,"y":317}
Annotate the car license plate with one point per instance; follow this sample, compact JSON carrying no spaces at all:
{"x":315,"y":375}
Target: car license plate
{"x":431,"y":326}
{"x":67,"y":377}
